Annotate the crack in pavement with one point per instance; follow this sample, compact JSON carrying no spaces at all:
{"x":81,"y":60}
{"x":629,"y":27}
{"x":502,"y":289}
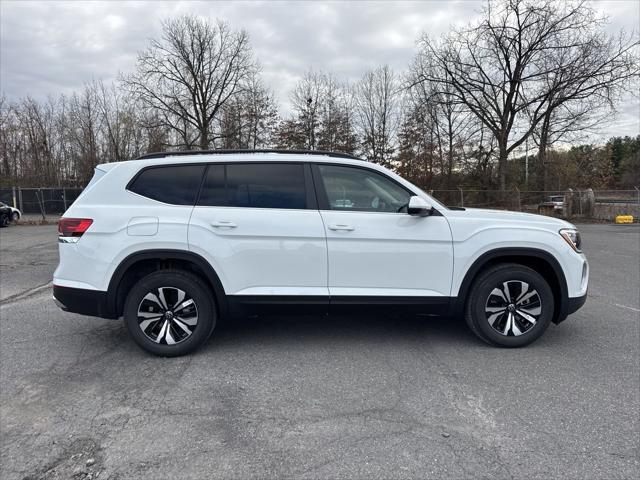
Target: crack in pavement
{"x":26,"y":294}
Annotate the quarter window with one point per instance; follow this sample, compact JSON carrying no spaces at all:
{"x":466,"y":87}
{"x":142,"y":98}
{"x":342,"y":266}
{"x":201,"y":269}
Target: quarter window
{"x":362,"y":190}
{"x":176,"y":185}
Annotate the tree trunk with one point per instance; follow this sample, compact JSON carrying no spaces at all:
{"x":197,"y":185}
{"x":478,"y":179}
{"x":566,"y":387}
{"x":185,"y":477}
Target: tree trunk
{"x":542,"y":154}
{"x":502,"y":165}
{"x":204,"y":138}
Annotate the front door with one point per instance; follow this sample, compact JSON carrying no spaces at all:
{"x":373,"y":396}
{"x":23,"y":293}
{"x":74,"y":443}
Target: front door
{"x":376,"y":249}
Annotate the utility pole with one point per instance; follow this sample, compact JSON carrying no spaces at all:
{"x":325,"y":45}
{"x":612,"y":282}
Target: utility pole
{"x":526,"y":162}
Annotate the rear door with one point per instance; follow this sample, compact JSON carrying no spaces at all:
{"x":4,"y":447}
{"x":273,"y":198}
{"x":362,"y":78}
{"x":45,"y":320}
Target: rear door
{"x":259,"y":227}
{"x":377,"y":251}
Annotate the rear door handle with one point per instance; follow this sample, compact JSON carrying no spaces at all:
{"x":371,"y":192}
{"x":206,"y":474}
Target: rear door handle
{"x":223,"y":224}
{"x":345,"y":228}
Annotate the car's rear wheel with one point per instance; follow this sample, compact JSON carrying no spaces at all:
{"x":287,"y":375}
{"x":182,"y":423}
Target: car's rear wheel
{"x":170,"y":313}
{"x":509,"y":305}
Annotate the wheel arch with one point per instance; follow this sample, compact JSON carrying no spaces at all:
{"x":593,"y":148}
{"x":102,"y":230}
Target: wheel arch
{"x":539,"y":260}
{"x":138,"y":264}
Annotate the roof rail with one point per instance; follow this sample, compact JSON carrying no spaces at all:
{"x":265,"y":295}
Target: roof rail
{"x":230,"y":151}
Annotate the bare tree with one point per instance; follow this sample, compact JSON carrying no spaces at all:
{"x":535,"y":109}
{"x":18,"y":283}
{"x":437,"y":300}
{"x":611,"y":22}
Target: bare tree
{"x":377,"y":105}
{"x":323,"y":118}
{"x":190,"y":73}
{"x":497,"y":68}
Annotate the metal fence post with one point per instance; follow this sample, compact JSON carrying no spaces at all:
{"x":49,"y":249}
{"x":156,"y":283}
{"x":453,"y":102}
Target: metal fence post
{"x":64,"y":198}
{"x":519,"y":204}
{"x":13,"y":197}
{"x":461,"y":197}
{"x":21,"y":207}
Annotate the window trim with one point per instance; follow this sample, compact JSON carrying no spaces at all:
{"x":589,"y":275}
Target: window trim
{"x":310,"y":193}
{"x":323,"y":198}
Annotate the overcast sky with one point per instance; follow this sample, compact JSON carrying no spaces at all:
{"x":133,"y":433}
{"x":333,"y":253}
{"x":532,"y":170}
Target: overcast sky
{"x":51,"y":47}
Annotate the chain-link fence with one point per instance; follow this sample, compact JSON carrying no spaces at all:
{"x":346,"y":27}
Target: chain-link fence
{"x":40,"y":201}
{"x":597,"y":204}
{"x":570,"y":203}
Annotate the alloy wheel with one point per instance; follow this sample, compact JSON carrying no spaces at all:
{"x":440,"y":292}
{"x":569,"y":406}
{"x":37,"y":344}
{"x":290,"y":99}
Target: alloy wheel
{"x":167,"y":315}
{"x":513,"y":308}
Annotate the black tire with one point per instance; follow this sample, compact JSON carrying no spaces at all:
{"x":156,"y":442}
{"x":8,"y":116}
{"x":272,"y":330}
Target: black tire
{"x":4,"y":221}
{"x":15,"y":216}
{"x":151,"y":294}
{"x":508,"y":327}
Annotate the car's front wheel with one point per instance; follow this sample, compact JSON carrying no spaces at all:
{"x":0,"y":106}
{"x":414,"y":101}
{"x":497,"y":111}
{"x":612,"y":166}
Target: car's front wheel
{"x":509,"y":305}
{"x":170,"y":313}
{"x":15,"y":216}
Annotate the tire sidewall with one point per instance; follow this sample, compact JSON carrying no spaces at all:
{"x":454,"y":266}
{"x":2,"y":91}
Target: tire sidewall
{"x":15,"y":216}
{"x":194,"y":288}
{"x":487,"y":283}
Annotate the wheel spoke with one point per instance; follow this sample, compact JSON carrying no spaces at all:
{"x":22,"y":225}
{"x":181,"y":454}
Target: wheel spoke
{"x":497,"y":292}
{"x":526,"y":297}
{"x":144,"y":324}
{"x":181,"y":324}
{"x":149,"y":314}
{"x":168,"y":337}
{"x":492,"y":319}
{"x":152,"y":297}
{"x":183,"y":305}
{"x":532,"y":311}
{"x":507,"y":326}
{"x":514,"y":326}
{"x":507,"y":294}
{"x":181,"y":296}
{"x":524,"y":288}
{"x":165,"y":304}
{"x":162,"y":331}
{"x":526,"y":316}
{"x":495,"y":309}
{"x":191,"y":321}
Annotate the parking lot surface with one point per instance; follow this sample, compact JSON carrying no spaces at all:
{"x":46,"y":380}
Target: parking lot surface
{"x":320,"y":398}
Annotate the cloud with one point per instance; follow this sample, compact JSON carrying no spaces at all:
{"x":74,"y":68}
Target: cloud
{"x":48,"y":48}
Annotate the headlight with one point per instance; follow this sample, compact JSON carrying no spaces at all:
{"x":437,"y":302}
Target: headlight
{"x":573,"y":238}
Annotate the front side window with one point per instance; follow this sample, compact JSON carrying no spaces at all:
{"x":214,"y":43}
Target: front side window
{"x":362,"y":190}
{"x":255,"y":185}
{"x":176,"y":184}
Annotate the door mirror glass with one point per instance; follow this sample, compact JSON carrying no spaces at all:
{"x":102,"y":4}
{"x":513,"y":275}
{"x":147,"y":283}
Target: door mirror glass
{"x":418,"y":206}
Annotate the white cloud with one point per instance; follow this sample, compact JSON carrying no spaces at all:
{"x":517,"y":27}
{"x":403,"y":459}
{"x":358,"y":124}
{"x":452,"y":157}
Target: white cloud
{"x":48,"y":48}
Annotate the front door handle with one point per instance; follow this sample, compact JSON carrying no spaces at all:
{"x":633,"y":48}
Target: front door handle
{"x":223,"y":224}
{"x":344,"y":228}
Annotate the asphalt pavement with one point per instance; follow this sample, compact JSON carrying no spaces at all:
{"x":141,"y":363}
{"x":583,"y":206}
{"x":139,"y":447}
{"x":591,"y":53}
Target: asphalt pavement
{"x":320,"y":398}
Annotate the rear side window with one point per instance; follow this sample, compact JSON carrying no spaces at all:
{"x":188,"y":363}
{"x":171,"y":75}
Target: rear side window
{"x":177,"y":185}
{"x":255,"y":185}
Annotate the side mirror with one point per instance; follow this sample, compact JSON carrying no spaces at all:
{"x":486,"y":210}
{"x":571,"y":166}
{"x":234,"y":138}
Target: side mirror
{"x":419,"y":207}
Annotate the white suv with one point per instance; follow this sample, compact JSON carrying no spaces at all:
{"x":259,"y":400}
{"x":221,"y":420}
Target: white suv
{"x":174,"y":242}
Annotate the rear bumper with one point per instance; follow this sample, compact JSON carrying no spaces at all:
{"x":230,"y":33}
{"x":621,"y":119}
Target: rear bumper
{"x":85,"y":302}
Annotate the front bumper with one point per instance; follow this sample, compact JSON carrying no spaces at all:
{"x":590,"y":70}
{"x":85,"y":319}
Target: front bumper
{"x":85,"y":302}
{"x":575,"y":303}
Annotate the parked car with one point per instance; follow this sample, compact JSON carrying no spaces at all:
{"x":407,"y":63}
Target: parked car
{"x":174,"y":242}
{"x":15,"y":214}
{"x":5,"y":215}
{"x":552,"y":205}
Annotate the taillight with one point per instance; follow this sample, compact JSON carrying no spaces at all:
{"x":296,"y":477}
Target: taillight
{"x":71,"y":229}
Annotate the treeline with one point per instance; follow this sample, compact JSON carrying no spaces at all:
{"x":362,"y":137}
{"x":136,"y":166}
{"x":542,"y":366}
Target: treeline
{"x":535,"y":74}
